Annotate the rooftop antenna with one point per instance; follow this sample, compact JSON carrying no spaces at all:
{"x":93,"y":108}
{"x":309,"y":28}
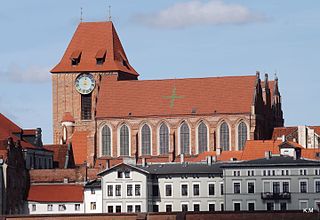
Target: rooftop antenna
{"x":81,"y":15}
{"x":109,"y":13}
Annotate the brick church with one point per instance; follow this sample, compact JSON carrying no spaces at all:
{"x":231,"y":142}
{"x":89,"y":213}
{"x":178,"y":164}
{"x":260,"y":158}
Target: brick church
{"x":108,"y":114}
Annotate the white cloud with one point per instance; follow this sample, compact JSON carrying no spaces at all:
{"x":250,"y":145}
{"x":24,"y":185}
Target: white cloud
{"x":193,"y":13}
{"x":31,"y":74}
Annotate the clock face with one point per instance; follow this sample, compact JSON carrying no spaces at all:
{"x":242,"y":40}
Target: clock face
{"x":85,"y":83}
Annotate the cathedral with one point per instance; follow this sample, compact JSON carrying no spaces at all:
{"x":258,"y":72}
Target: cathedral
{"x":107,"y":114}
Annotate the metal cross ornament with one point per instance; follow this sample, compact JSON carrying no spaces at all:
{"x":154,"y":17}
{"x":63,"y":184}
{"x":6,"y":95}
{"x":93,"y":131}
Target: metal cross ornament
{"x":173,"y":97}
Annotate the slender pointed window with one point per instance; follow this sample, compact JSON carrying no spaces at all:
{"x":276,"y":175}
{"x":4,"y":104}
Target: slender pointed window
{"x":106,"y":141}
{"x":124,"y":141}
{"x":164,"y":139}
{"x":184,"y":139}
{"x":224,"y":136}
{"x":242,"y":135}
{"x":145,"y":140}
{"x":202,"y":137}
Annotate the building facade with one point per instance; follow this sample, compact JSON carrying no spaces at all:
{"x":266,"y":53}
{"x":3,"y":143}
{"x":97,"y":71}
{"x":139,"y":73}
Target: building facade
{"x":101,"y":107}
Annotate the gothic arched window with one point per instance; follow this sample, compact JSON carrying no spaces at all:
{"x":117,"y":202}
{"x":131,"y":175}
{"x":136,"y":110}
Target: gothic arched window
{"x":242,"y":135}
{"x":124,"y":140}
{"x":184,"y":139}
{"x":202,"y":137}
{"x":145,"y":140}
{"x":224,"y":136}
{"x":106,"y":141}
{"x":164,"y":139}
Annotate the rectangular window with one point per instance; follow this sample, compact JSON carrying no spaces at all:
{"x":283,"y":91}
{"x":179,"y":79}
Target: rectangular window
{"x":283,"y":206}
{"x":155,"y":190}
{"x":34,"y":207}
{"x":137,"y":208}
{"x":211,"y":189}
{"x":118,"y":208}
{"x":93,"y":205}
{"x":120,"y":174}
{"x":184,"y":190}
{"x":303,"y":187}
{"x":93,"y":191}
{"x":110,"y":190}
{"x":285,"y":187}
{"x":236,"y":188}
{"x":118,"y":190}
{"x":77,"y":207}
{"x":251,"y":206}
{"x":196,"y":189}
{"x":221,"y":189}
{"x":270,"y":206}
{"x":212,"y":207}
{"x":168,"y":190}
{"x":168,"y":208}
{"x":127,"y":174}
{"x":155,"y":208}
{"x":264,"y":172}
{"x":62,"y":207}
{"x":250,"y":187}
{"x":276,"y":187}
{"x":317,"y":188}
{"x":184,"y":207}
{"x":196,"y":207}
{"x":110,"y":209}
{"x":221,"y":207}
{"x":236,"y":206}
{"x":49,"y":207}
{"x":129,"y":190}
{"x":303,"y":204}
{"x":86,"y":105}
{"x":129,"y":208}
{"x":137,"y":190}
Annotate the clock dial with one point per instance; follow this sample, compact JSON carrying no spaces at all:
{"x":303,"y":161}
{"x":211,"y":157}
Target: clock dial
{"x":85,"y":83}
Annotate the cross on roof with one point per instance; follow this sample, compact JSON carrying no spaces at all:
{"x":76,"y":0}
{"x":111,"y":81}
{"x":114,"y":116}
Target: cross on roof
{"x":173,"y":97}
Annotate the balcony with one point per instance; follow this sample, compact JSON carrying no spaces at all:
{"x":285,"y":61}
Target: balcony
{"x":275,"y":196}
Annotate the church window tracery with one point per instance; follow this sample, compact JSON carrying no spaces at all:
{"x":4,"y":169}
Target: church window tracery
{"x":164,"y":139}
{"x":145,"y":140}
{"x":242,"y":135}
{"x":106,"y":141}
{"x":124,"y":140}
{"x":202,"y":137}
{"x":224,"y":136}
{"x":184,"y":138}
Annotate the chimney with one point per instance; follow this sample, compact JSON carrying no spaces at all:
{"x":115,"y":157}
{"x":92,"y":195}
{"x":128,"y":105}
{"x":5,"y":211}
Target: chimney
{"x":107,"y":164}
{"x":144,"y":162}
{"x":283,"y":138}
{"x":181,"y":158}
{"x":218,"y":151}
{"x":209,"y":160}
{"x":295,"y":155}
{"x":267,"y":155}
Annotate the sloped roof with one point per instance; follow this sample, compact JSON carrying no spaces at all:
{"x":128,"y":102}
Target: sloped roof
{"x":79,"y":146}
{"x":310,"y":153}
{"x":278,"y":132}
{"x":56,"y":193}
{"x":90,"y":38}
{"x":60,"y":152}
{"x":256,"y":149}
{"x":231,"y":94}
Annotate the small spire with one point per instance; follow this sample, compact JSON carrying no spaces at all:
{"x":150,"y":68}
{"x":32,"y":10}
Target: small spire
{"x":258,"y":74}
{"x":109,"y":13}
{"x":81,"y":15}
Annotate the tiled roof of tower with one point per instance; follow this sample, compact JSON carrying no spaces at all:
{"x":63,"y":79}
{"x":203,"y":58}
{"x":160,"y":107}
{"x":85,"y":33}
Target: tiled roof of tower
{"x":56,"y":193}
{"x":231,"y":94}
{"x":88,"y":42}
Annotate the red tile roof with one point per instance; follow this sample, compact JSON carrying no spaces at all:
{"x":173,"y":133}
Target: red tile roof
{"x":90,"y":39}
{"x":56,"y":193}
{"x":310,"y":153}
{"x":278,"y":132}
{"x":60,"y":152}
{"x":79,"y":146}
{"x":255,"y":149}
{"x":232,"y":94}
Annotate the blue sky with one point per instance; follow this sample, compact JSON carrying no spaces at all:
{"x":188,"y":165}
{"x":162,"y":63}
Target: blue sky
{"x":165,"y":39}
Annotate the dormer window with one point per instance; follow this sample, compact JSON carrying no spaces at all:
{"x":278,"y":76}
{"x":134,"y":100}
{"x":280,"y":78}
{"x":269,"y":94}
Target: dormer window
{"x":124,"y":61}
{"x":101,"y":56}
{"x":75,"y":57}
